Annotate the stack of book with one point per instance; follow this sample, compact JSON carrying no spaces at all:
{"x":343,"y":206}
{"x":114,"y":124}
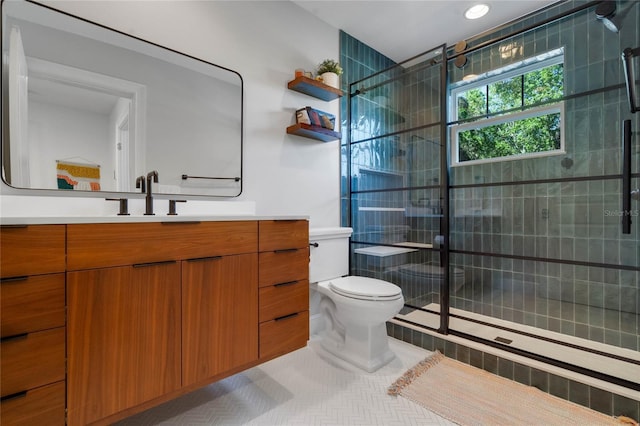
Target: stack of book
{"x":314,"y":117}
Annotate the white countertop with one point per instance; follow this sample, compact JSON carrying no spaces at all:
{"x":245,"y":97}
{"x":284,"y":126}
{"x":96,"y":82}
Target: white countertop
{"x":50,"y":220}
{"x":26,"y":210}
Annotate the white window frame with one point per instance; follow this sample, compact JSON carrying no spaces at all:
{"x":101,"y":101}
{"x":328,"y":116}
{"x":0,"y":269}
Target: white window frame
{"x":543,"y":61}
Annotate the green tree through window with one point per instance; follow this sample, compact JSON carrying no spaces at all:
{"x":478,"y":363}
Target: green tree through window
{"x":516,"y":115}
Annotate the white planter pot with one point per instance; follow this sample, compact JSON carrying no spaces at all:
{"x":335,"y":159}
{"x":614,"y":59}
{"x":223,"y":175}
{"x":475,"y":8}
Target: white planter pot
{"x":330,"y":79}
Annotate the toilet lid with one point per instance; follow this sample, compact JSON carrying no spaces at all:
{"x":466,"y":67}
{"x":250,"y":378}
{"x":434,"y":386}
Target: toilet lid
{"x":365,"y":288}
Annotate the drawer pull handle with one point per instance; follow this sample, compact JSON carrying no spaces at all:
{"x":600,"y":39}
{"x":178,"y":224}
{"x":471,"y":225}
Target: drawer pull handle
{"x":144,"y":265}
{"x":14,"y":337}
{"x":14,"y":279}
{"x":202,"y":259}
{"x":284,"y":317}
{"x":17,"y":226}
{"x":286,"y":284}
{"x":291,"y":250}
{"x":14,"y":396}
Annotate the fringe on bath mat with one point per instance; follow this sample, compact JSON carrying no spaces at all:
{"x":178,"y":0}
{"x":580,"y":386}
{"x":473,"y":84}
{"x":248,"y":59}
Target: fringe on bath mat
{"x":414,"y":372}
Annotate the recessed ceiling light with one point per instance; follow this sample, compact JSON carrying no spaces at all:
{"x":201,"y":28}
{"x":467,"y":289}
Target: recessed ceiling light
{"x":477,"y":11}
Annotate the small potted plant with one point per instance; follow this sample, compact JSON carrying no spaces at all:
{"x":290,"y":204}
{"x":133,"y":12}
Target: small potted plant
{"x":329,"y":70}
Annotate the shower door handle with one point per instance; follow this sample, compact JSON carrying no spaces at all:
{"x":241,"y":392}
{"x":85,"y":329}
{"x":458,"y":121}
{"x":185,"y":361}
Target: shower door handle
{"x":626,"y":177}
{"x":628,"y":55}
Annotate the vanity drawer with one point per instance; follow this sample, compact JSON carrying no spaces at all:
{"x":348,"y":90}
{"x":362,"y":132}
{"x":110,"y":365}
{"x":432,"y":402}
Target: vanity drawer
{"x":283,"y":266}
{"x":283,"y":335}
{"x":283,"y":299}
{"x":108,"y":244}
{"x":283,"y":234}
{"x":31,"y":250}
{"x":43,"y":406}
{"x":31,"y":304}
{"x":32,"y":360}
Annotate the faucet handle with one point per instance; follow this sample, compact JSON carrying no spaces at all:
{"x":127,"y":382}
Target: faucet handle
{"x":124,"y":205}
{"x":141,"y":184}
{"x":172,"y":207}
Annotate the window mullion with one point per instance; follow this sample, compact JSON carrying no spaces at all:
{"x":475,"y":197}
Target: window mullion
{"x":486,"y":107}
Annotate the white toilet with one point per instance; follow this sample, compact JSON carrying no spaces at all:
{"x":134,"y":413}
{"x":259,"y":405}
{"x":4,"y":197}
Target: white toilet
{"x":349,"y":314}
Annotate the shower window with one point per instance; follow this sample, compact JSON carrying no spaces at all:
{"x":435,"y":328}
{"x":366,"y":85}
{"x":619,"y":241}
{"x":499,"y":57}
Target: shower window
{"x":510,"y":112}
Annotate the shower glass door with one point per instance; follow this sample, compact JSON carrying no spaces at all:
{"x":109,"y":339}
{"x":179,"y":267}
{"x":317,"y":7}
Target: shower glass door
{"x":398,"y":208}
{"x":490,"y":190}
{"x":538,"y":232}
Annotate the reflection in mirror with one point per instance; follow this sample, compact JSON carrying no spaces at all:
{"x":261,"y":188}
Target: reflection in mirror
{"x":86,"y":108}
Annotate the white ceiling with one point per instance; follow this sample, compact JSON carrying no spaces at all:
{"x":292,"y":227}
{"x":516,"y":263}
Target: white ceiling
{"x":401,"y":29}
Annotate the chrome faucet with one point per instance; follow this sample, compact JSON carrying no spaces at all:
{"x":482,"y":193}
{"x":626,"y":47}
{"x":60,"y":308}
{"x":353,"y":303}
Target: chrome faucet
{"x":149,"y":198}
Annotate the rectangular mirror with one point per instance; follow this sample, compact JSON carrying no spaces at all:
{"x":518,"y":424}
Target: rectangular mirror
{"x":87,"y":109}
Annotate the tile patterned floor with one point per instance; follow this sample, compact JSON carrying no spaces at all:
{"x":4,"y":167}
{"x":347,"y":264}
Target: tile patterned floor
{"x":306,"y":387}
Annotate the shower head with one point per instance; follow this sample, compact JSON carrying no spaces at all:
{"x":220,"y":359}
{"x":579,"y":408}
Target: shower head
{"x":607,"y":13}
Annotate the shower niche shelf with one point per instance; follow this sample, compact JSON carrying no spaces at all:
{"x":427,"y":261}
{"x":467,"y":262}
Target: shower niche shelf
{"x":314,"y":88}
{"x":313,"y":132}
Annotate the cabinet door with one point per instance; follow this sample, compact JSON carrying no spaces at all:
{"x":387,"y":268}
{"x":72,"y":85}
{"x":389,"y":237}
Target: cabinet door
{"x":220,"y":315}
{"x":123,"y":338}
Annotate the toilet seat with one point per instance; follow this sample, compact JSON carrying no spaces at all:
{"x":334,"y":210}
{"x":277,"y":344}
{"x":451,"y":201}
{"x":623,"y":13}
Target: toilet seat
{"x":364,"y":288}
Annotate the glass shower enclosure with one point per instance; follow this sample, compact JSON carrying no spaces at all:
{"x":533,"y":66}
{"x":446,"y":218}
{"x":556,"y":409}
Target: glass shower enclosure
{"x":530,"y":253}
{"x":398,"y":180}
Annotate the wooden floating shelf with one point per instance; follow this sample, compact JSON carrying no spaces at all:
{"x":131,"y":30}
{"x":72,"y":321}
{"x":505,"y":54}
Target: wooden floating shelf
{"x":314,"y":88}
{"x":313,"y":132}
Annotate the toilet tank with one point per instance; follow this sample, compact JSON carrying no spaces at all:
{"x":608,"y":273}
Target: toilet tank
{"x":330,"y":259}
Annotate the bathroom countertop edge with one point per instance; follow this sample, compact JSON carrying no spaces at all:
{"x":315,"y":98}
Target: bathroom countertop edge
{"x":63,"y":220}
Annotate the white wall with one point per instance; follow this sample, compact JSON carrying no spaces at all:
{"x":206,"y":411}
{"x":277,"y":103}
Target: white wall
{"x":265,"y":41}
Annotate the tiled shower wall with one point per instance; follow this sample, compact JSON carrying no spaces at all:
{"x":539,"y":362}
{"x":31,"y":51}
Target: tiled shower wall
{"x":359,"y":61}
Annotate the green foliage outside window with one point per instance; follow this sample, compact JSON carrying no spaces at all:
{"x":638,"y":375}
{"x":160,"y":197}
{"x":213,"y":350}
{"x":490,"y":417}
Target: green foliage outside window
{"x":521,"y":135}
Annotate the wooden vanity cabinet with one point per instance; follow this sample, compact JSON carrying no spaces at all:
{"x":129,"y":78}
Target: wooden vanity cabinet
{"x":284,"y":286}
{"x":156,"y":308}
{"x":153,"y":311}
{"x":32,"y":323}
